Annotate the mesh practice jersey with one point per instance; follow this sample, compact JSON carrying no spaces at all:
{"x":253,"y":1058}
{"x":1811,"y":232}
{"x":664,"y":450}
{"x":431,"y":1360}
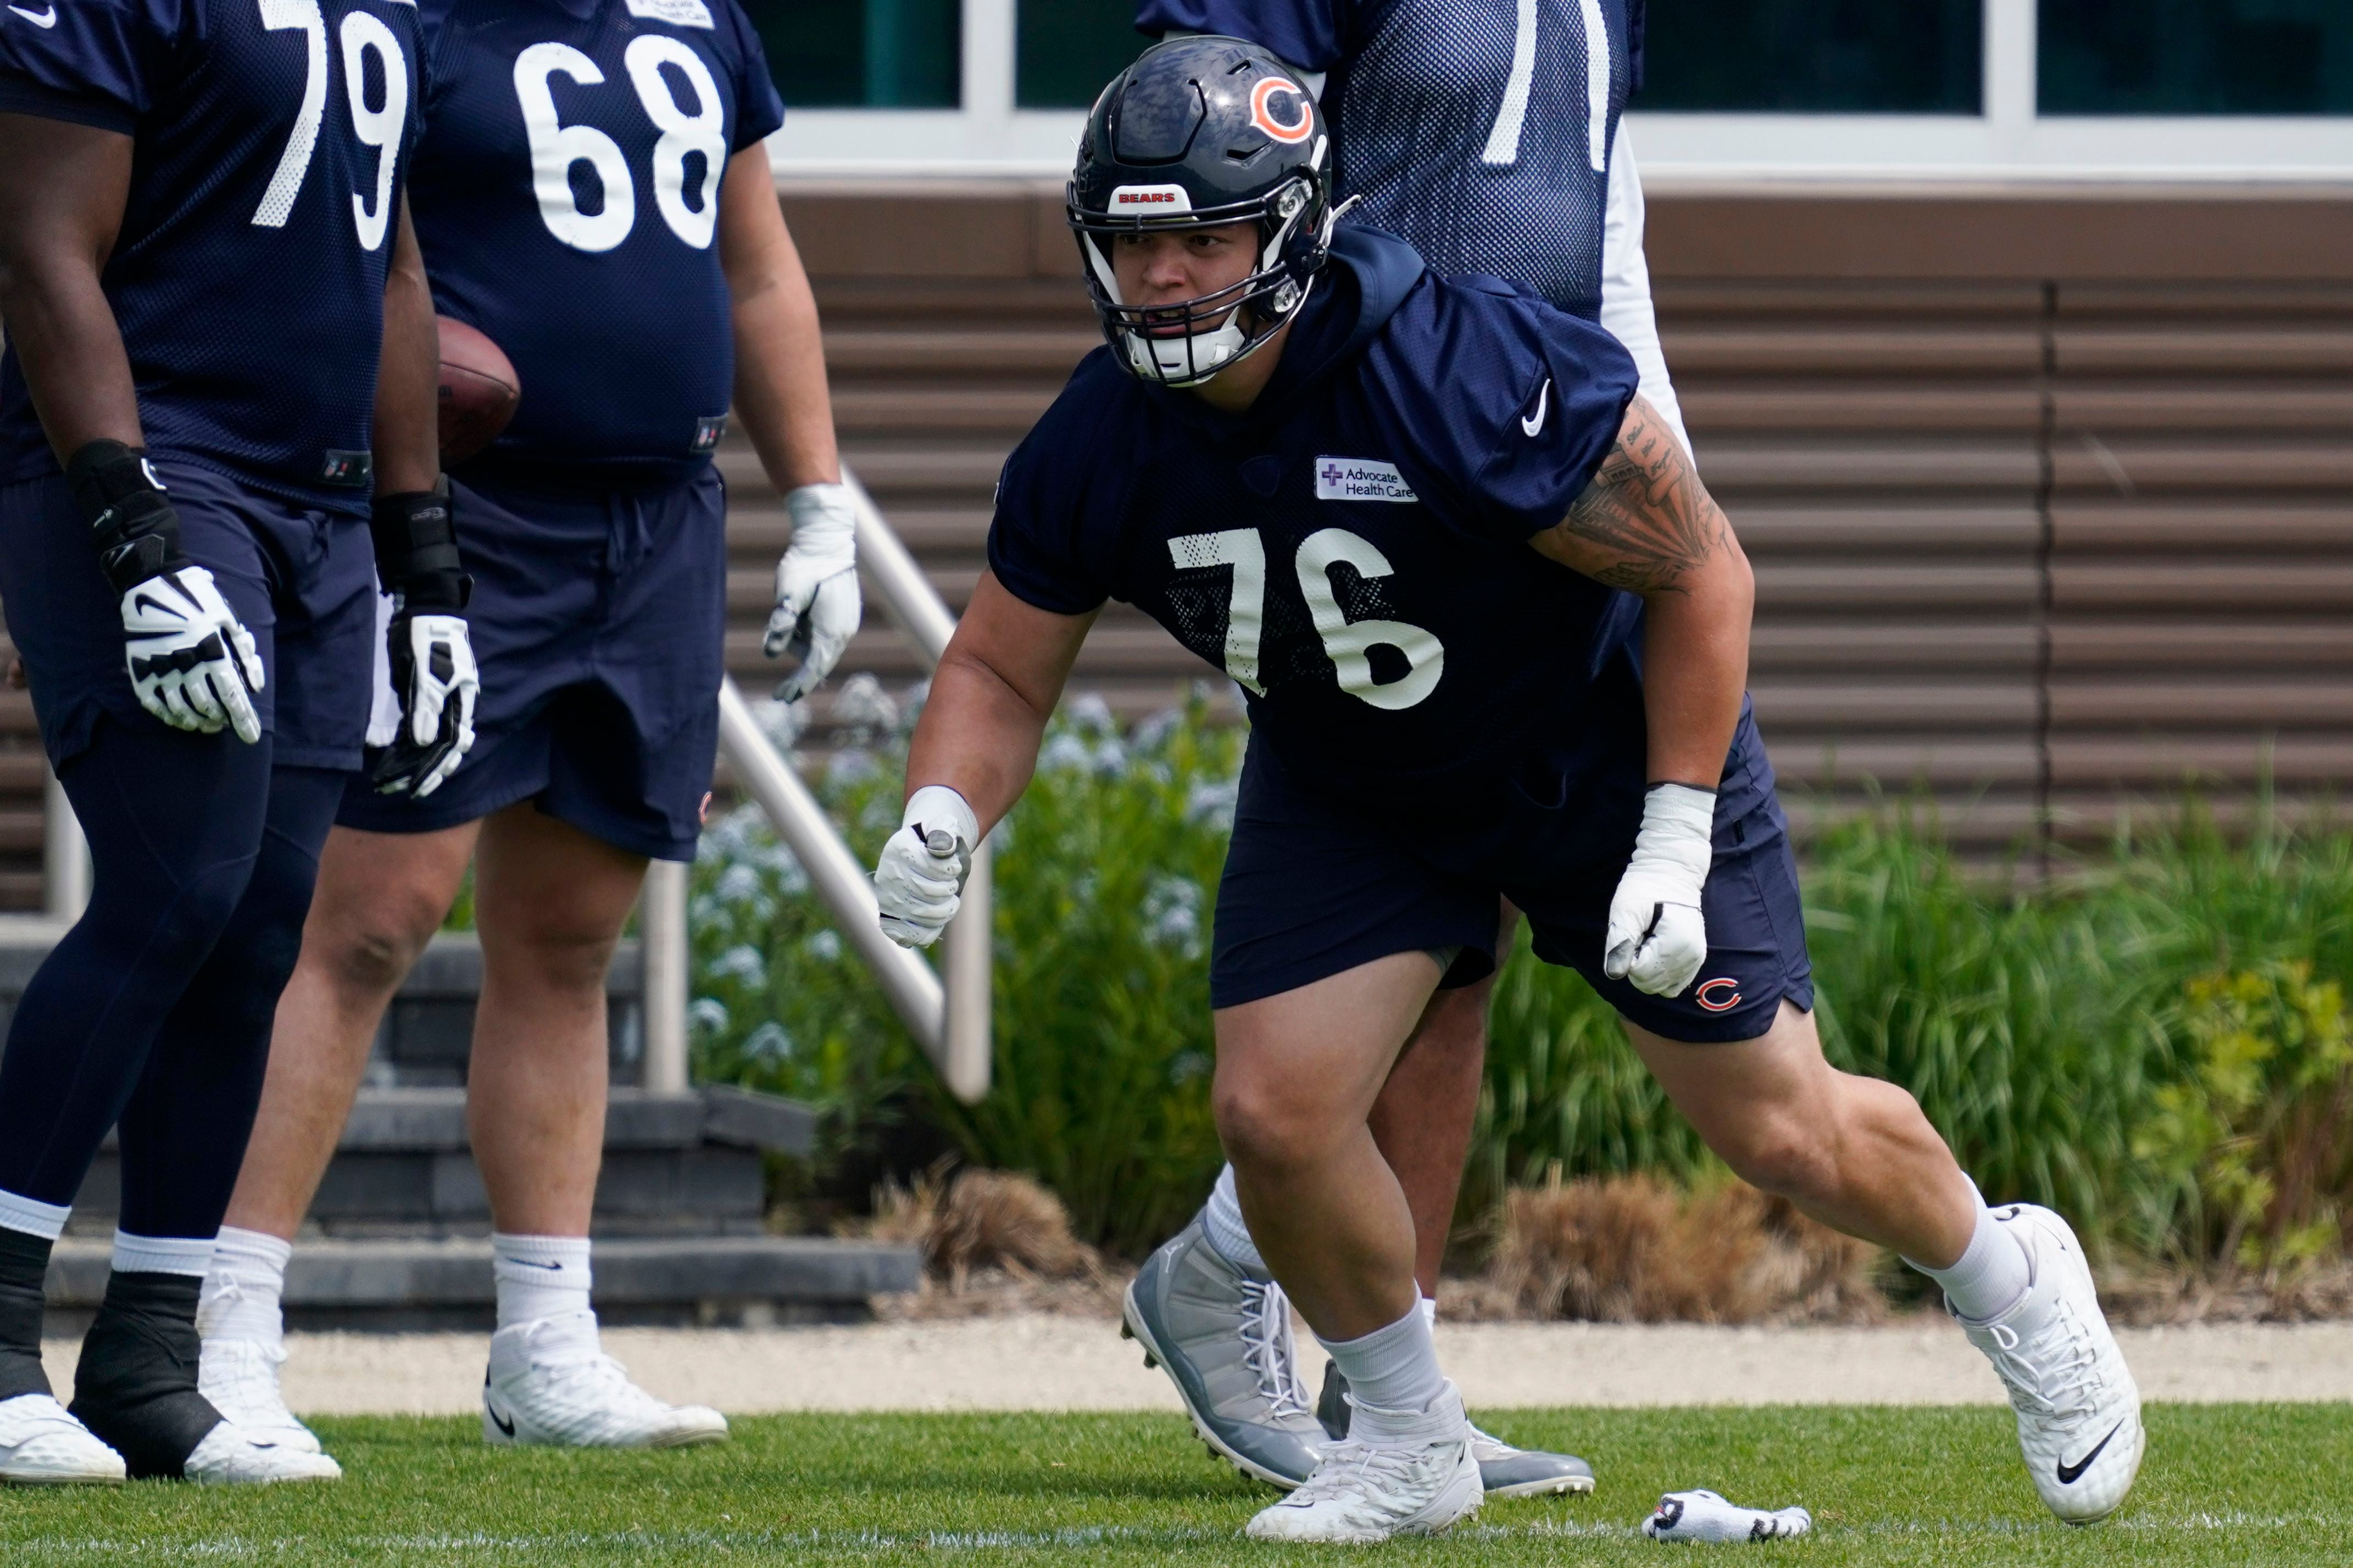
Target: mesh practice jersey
{"x":1480,"y":130}
{"x":566,"y":196}
{"x":1353,"y":550}
{"x":247,"y":277}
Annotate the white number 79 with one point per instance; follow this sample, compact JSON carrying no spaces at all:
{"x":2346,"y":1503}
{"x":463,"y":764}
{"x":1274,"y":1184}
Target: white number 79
{"x":379,"y":128}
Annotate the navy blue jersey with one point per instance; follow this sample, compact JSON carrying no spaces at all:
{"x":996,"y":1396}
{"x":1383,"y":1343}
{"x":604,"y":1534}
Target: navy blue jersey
{"x":567,"y":201}
{"x":1353,"y":550}
{"x":1479,"y":129}
{"x":248,"y":278}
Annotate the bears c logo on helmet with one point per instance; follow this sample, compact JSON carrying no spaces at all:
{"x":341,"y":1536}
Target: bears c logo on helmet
{"x":1262,"y":113}
{"x":1721,"y":994}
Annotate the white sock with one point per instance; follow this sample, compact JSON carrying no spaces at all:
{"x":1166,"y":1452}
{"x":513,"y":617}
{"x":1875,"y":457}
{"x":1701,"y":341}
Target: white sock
{"x":1987,"y":1278}
{"x":162,"y":1253}
{"x":1430,"y":1311}
{"x":31,"y":1216}
{"x":1392,"y":1370}
{"x":241,"y":1299}
{"x":540,"y":1276}
{"x":1228,"y":1232}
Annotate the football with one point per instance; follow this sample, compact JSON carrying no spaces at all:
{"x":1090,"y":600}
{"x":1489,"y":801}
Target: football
{"x":478,"y":390}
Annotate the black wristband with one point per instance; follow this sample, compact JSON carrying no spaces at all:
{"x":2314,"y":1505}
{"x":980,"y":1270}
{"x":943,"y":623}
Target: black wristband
{"x":131,"y":522}
{"x":416,"y":550}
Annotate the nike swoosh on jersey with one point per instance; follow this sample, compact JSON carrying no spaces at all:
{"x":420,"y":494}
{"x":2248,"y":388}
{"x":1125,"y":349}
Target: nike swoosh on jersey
{"x":48,"y":18}
{"x":1534,"y":422}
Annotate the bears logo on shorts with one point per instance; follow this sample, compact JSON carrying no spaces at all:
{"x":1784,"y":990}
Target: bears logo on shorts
{"x":1721,"y":994}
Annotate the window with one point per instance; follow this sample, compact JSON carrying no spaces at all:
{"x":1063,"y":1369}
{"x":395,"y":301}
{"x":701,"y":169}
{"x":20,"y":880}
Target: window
{"x":1066,"y":50}
{"x":1884,"y":57}
{"x":862,"y":53}
{"x":2196,"y":57}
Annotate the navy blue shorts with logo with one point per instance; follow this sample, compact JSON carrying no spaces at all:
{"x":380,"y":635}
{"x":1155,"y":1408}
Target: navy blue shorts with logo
{"x":1313,"y":886}
{"x":301,"y":580}
{"x":598,"y":620}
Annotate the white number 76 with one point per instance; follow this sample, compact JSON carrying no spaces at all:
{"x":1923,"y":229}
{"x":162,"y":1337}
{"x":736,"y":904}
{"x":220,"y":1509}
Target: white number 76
{"x":1348,"y":644}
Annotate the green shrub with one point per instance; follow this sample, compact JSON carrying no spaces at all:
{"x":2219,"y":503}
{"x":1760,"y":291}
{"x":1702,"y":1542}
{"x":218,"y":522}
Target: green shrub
{"x":2254,"y":1145}
{"x":2054,"y":1029}
{"x":1106,"y":872}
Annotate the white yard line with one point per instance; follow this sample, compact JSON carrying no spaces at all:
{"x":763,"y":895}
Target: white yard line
{"x":1039,"y":1363}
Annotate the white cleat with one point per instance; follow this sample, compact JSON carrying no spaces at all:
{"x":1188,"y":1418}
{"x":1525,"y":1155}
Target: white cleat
{"x":1422,"y":1482}
{"x":240,"y":1377}
{"x":41,"y":1445}
{"x":2078,"y":1409}
{"x":231,"y":1456}
{"x":550,"y":1386}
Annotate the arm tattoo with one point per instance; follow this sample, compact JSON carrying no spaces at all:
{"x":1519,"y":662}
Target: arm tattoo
{"x":1645,"y":521}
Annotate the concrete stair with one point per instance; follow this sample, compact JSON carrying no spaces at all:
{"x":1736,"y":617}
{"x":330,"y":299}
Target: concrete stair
{"x":399,"y":1236}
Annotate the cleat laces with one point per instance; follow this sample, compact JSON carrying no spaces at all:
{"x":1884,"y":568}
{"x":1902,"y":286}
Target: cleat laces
{"x":1271,"y":1352}
{"x":2062,"y":1382}
{"x":1354,"y":1470}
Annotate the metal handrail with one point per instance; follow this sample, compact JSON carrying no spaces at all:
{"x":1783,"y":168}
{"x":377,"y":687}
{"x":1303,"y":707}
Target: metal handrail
{"x":948,"y":1013}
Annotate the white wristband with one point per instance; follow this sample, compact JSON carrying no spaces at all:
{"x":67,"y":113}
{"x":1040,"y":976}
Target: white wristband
{"x":1678,"y":828}
{"x":825,"y":524}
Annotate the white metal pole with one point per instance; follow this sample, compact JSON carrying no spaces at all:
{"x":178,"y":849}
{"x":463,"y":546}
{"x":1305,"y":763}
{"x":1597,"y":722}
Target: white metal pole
{"x":913,"y":991}
{"x":65,"y":853}
{"x":964,"y":1063}
{"x":663,"y":941}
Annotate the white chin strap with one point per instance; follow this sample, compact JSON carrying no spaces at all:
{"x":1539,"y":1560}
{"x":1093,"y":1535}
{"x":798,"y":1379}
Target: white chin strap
{"x":1184,"y":360}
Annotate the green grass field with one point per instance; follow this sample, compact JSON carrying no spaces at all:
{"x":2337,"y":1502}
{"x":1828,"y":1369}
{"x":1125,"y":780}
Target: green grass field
{"x":2224,"y":1484}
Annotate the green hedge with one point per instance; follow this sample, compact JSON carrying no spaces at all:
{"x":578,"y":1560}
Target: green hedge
{"x":2058,"y":1035}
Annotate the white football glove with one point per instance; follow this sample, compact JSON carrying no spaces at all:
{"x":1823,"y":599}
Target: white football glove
{"x":919,"y":881}
{"x":1657,"y":938}
{"x":437,"y":683}
{"x":193,"y":664}
{"x":818,"y":603}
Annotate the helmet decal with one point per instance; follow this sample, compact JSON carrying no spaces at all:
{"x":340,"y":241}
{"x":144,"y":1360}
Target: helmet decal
{"x":1263,"y":116}
{"x":1148,"y":201}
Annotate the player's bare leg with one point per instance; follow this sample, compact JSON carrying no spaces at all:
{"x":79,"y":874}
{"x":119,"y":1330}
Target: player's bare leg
{"x":379,"y":898}
{"x":1297,"y":1075}
{"x":1422,"y":1120}
{"x":549,"y":901}
{"x":1858,"y":1155}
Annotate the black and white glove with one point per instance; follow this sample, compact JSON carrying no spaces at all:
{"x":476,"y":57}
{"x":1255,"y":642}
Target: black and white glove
{"x":432,"y":653}
{"x":1657,"y":937}
{"x":191,"y":662}
{"x":919,"y":881}
{"x":818,"y":606}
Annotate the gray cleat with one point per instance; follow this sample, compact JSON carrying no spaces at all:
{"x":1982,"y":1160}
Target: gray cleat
{"x":1223,"y":1336}
{"x":1503,"y":1470}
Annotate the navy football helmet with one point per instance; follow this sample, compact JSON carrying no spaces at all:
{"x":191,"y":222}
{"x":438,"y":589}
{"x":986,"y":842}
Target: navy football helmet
{"x":1199,"y":132}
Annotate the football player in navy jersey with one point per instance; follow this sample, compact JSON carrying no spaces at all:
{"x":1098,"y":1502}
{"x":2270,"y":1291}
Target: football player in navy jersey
{"x":592,"y":192}
{"x":1488,"y":134}
{"x":204,"y":257}
{"x":1493,"y":635}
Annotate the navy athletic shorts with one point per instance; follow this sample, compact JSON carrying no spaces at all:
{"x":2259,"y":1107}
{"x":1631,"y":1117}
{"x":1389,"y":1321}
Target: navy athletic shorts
{"x":1313,"y":886}
{"x":301,"y":580}
{"x":598,"y":619}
